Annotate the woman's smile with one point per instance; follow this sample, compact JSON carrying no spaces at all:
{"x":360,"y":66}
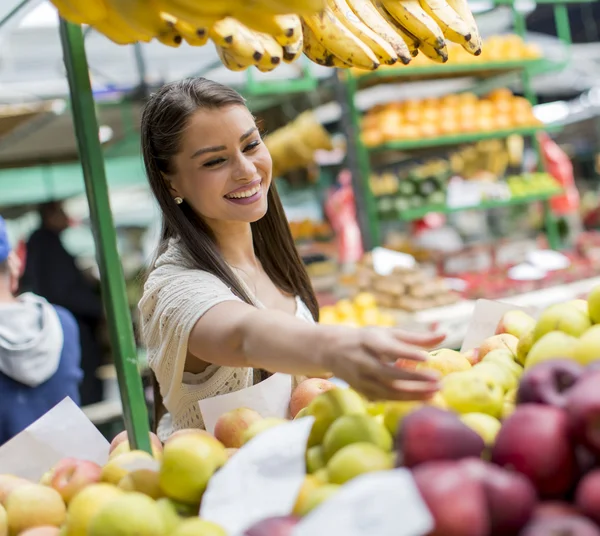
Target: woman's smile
{"x":247,"y":194}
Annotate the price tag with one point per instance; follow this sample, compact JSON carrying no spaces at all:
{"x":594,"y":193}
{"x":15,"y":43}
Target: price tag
{"x":486,"y":315}
{"x":386,"y":503}
{"x":262,"y":480}
{"x":385,"y":260}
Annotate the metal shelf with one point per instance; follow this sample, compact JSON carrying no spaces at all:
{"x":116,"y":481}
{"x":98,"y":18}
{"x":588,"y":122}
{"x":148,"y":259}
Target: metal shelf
{"x":418,"y":213}
{"x":457,"y":139}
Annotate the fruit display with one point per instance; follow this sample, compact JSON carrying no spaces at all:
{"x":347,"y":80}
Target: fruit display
{"x":308,"y":229}
{"x":293,"y":146}
{"x":496,"y":48}
{"x":265,"y":33}
{"x":445,"y":116}
{"x":531,"y":184}
{"x":404,"y":289}
{"x":362,"y":310}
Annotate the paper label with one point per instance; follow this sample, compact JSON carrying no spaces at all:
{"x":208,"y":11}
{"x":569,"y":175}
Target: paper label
{"x":262,"y":480}
{"x":461,"y":194}
{"x":385,"y":503}
{"x":385,"y":260}
{"x":63,"y":432}
{"x":270,"y":398}
{"x":486,"y":315}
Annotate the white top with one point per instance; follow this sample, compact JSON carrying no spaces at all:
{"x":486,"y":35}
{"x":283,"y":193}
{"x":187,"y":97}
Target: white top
{"x":176,"y":295}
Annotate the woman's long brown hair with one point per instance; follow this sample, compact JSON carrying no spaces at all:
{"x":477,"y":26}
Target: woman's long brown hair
{"x":164,"y":119}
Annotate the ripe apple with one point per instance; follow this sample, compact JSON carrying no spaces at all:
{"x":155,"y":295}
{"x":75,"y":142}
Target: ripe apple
{"x":549,"y":382}
{"x":306,"y":392}
{"x":568,"y":525}
{"x":486,"y":426}
{"x":189,"y":461}
{"x":230,"y":427}
{"x":8,"y":483}
{"x":445,"y":362}
{"x":144,"y":481}
{"x":583,"y":409}
{"x":564,"y":317}
{"x":131,"y":513}
{"x":516,"y":323}
{"x":350,"y":429}
{"x":434,"y":434}
{"x":357,"y":459}
{"x":259,"y":427}
{"x":547,"y":509}
{"x":468,"y":392}
{"x":534,"y":441}
{"x":587,"y":349}
{"x":198,"y":527}
{"x":552,"y":345}
{"x":330,"y":405}
{"x":273,"y":526}
{"x":34,"y":505}
{"x":496,"y":372}
{"x":456,"y":500}
{"x":86,"y":504}
{"x":315,"y":497}
{"x":122,"y":437}
{"x":593,"y":301}
{"x":395,"y":412}
{"x":510,"y":496}
{"x":117,"y":468}
{"x":504,"y":341}
{"x":472,"y":356}
{"x":72,"y":476}
{"x":523,"y":347}
{"x":587,"y":497}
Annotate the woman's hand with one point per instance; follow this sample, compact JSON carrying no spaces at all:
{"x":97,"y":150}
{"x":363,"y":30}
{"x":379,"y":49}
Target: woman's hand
{"x":365,"y":359}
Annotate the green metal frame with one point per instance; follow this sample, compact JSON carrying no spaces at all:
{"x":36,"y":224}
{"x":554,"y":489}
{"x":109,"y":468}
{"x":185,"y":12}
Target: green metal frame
{"x":113,"y":282}
{"x":493,"y":71}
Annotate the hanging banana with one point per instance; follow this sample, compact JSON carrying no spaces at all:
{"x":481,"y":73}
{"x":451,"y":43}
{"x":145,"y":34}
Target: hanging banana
{"x":81,"y":12}
{"x":273,"y":53}
{"x":452,"y":25}
{"x":411,"y":16}
{"x":286,"y":29}
{"x":230,"y":34}
{"x":439,"y":55}
{"x":462,"y":8}
{"x":315,"y":51}
{"x":229,"y":60}
{"x":409,"y":39}
{"x":292,"y":52}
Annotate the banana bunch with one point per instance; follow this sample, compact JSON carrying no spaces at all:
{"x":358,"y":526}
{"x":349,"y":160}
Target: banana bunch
{"x":261,"y":33}
{"x":368,"y":33}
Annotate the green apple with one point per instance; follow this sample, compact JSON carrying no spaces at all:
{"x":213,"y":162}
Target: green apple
{"x":468,"y":392}
{"x":587,"y":348}
{"x":566,"y":317}
{"x":552,"y":345}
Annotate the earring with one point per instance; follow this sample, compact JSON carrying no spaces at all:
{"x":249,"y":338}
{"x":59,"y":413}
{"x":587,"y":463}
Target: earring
{"x":178,"y":200}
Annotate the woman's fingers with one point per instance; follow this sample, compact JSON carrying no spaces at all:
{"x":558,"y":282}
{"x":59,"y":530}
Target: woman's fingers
{"x":386,"y":347}
{"x":401,"y":390}
{"x":424,"y":340}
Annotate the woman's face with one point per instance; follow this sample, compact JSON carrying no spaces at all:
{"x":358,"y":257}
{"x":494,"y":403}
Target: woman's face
{"x":223,"y":170}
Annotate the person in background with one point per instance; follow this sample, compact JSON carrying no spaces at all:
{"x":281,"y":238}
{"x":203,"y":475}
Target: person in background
{"x":51,"y":272}
{"x":39,"y":351}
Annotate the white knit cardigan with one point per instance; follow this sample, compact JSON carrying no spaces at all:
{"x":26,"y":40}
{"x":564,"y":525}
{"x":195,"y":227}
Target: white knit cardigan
{"x":176,"y":295}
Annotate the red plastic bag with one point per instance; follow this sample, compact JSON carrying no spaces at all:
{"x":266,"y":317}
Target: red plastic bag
{"x":559,"y":165}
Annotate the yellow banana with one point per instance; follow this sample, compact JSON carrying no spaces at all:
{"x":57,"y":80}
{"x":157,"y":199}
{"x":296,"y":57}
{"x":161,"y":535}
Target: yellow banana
{"x":340,"y":41}
{"x":382,"y":49}
{"x":170,"y":37}
{"x":462,"y":8}
{"x":144,"y":19}
{"x":273,"y":53}
{"x":411,"y":16}
{"x":232,"y":34}
{"x":118,"y":30}
{"x":439,"y":55}
{"x":286,"y":29}
{"x":300,"y":7}
{"x":315,"y":51}
{"x":193,"y":36}
{"x":229,"y":60}
{"x":182,"y":12}
{"x":203,"y":8}
{"x":453,"y":27}
{"x":370,"y":16}
{"x":409,"y":39}
{"x":292,"y":52}
{"x":79,"y":12}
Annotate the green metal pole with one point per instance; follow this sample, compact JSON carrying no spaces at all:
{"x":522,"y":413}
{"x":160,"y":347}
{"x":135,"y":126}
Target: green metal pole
{"x":113,"y":283}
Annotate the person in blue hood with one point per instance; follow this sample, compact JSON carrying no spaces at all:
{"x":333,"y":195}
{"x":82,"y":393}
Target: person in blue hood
{"x":39,"y":351}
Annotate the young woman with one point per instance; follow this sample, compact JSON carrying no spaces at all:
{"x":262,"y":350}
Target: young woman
{"x":228,"y":298}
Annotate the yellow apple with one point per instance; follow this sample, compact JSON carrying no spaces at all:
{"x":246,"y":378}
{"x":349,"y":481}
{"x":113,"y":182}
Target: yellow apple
{"x":119,"y":466}
{"x":468,"y":392}
{"x":396,"y":411}
{"x":259,"y":427}
{"x":315,"y":497}
{"x":86,"y":504}
{"x":496,"y":372}
{"x":593,"y":301}
{"x":198,"y":527}
{"x":445,"y":362}
{"x":587,"y":348}
{"x":357,"y":459}
{"x":34,"y":505}
{"x":552,"y":345}
{"x":485,"y":425}
{"x":350,"y":429}
{"x":563,"y":317}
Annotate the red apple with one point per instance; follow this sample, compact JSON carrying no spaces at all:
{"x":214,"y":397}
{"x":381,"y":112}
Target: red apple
{"x":230,"y":427}
{"x":456,"y":499}
{"x":71,"y":476}
{"x":273,"y":526}
{"x":534,"y":441}
{"x":306,"y":391}
{"x":430,"y":433}
{"x":511,"y":498}
{"x":122,"y":437}
{"x":549,"y":382}
{"x":583,"y":409}
{"x":587,"y":497}
{"x":561,"y":526}
{"x":549,"y":509}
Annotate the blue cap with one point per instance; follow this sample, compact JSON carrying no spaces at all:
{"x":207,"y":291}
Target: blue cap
{"x":4,"y":241}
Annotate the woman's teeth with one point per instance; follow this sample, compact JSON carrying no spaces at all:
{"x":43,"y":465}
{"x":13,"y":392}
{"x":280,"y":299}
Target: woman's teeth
{"x":245,"y":193}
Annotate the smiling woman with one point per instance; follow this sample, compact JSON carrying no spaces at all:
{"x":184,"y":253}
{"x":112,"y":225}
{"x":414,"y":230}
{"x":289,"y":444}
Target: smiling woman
{"x":228,"y":298}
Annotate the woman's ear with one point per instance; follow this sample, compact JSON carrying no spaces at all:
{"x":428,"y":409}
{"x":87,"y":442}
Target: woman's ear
{"x":171,"y":185}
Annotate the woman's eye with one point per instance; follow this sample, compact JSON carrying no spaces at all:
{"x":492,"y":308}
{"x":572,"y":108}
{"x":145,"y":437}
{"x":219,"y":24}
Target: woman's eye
{"x":215,"y":162}
{"x":252,"y":145}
